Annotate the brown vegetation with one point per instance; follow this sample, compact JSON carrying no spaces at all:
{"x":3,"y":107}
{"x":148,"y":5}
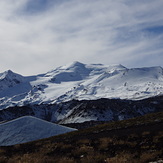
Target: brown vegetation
{"x":130,"y":141}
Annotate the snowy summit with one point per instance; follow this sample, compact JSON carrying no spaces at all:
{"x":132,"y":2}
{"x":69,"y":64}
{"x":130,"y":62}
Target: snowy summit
{"x":80,"y":81}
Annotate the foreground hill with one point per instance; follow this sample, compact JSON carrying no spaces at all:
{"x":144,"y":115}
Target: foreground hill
{"x":27,"y":129}
{"x":81,"y":82}
{"x":130,"y":141}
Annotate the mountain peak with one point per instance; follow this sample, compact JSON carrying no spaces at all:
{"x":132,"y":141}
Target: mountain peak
{"x":76,"y":63}
{"x":73,"y":65}
{"x":10,"y":75}
{"x":6,"y":73}
{"x":9,"y":79}
{"x":9,"y":71}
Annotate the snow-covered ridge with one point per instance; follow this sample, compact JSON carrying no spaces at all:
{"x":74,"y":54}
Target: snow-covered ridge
{"x":27,"y":129}
{"x":9,"y":79}
{"x":80,"y":81}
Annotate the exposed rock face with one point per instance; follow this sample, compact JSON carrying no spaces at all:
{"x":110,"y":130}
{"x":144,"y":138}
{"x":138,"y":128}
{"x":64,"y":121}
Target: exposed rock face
{"x":86,"y":110}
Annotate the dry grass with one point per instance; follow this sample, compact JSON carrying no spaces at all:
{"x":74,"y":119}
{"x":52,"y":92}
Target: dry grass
{"x":122,"y":158}
{"x":95,"y":145}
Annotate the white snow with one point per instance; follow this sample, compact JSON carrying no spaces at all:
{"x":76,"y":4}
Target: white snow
{"x":80,"y":81}
{"x":27,"y":128}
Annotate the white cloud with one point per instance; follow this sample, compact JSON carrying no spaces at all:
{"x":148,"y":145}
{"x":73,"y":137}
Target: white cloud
{"x":89,"y":31}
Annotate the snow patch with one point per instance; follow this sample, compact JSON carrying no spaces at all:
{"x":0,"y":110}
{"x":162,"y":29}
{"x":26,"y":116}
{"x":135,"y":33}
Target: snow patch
{"x":27,"y":128}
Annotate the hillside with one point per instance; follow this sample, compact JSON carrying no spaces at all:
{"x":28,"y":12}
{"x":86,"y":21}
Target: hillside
{"x":76,"y":111}
{"x":131,"y":141}
{"x":110,"y":109}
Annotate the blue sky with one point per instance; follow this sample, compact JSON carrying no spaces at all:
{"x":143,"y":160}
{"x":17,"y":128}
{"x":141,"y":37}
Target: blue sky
{"x":39,"y":35}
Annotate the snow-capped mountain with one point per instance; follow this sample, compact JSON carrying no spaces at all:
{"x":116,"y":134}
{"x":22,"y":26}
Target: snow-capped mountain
{"x":9,"y":79}
{"x":27,"y":129}
{"x":73,"y":93}
{"x":80,"y":81}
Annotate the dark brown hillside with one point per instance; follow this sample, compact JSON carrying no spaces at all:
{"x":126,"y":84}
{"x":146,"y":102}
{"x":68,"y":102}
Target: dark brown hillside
{"x":129,"y":141}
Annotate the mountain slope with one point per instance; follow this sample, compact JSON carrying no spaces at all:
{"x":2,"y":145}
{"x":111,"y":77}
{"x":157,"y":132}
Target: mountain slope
{"x":76,"y":111}
{"x":82,"y":82}
{"x":137,"y":140}
{"x":27,"y":129}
